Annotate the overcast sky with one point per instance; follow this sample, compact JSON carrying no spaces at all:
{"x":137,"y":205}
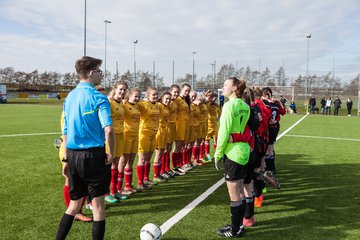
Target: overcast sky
{"x":49,"y":35}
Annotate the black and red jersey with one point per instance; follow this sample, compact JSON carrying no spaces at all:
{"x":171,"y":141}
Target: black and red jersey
{"x":276,"y":110}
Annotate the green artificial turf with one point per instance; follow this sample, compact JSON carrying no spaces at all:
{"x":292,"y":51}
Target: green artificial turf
{"x":319,"y":198}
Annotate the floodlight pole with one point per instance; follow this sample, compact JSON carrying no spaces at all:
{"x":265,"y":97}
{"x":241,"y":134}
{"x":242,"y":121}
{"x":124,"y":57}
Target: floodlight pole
{"x":105,"y":75}
{"x":308,"y":36}
{"x":85,"y":29}
{"x":135,"y":42}
{"x":193,"y":75}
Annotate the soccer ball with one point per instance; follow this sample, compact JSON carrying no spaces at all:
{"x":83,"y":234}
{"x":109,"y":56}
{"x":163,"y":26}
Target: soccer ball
{"x":150,"y":231}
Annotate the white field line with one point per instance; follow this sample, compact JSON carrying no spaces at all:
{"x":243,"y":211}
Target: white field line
{"x":318,"y":137}
{"x":28,"y":134}
{"x":188,"y":208}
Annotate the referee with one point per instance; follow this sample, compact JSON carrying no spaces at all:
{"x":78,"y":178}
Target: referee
{"x":87,"y":126}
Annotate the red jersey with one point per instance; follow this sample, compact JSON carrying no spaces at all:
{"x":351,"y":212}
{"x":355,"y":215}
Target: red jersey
{"x":262,"y":131}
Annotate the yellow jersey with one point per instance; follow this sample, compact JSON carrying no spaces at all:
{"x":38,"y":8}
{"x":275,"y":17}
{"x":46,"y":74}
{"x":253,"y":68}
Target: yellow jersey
{"x":172,"y":110}
{"x":149,"y":116}
{"x":182,"y":113}
{"x":195,"y":109}
{"x":164,"y":115}
{"x":203,"y":113}
{"x":213,"y":114}
{"x":117,"y":115}
{"x":131,"y":118}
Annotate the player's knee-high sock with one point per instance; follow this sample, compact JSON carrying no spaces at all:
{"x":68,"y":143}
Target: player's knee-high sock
{"x":64,"y":226}
{"x":66,"y":192}
{"x":215,"y":145}
{"x":194,"y":149}
{"x":270,"y":163}
{"x":183,"y":157}
{"x":98,"y":229}
{"x":201,"y":147}
{"x":113,"y":181}
{"x":128,"y":173}
{"x":146,"y":171}
{"x":140,"y":174}
{"x":167,"y":161}
{"x":157,"y":167}
{"x":237,"y":213}
{"x":207,"y":148}
{"x":249,"y":207}
{"x":189,"y":154}
{"x":163,"y":163}
{"x":120,"y":180}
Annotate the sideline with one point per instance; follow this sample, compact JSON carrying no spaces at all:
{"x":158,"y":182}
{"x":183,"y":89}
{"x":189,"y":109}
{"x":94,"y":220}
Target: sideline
{"x":319,"y":137}
{"x":188,"y":208}
{"x":29,"y":134}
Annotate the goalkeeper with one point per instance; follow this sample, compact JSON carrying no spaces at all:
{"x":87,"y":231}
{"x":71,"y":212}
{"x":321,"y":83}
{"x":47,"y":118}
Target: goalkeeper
{"x":234,"y":117}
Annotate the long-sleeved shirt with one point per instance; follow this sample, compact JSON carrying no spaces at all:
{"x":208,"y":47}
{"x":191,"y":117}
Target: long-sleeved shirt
{"x":234,"y":117}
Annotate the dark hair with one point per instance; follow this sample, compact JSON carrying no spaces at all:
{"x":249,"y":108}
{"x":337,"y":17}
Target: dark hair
{"x":240,"y":85}
{"x":185,"y":85}
{"x":86,"y":64}
{"x":257,"y":92}
{"x":163,"y":94}
{"x":248,"y":96}
{"x":267,"y":89}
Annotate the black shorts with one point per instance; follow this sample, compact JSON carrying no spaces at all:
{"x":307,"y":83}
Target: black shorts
{"x":87,"y":173}
{"x":233,"y":171}
{"x":273,"y":132}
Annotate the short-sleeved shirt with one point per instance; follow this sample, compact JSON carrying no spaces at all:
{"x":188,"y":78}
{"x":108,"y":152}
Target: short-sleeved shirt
{"x":86,"y":114}
{"x":149,"y":116}
{"x":182,"y":114}
{"x":131,"y":118}
{"x":173,"y":110}
{"x":164,"y":115}
{"x":117,"y":115}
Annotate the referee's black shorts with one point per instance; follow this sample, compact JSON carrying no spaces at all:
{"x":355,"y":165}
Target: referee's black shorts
{"x":87,"y":173}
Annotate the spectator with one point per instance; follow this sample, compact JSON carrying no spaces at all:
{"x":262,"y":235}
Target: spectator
{"x":349,"y":104}
{"x":312,"y":104}
{"x":293,"y":106}
{"x":337,"y":105}
{"x":323,"y":103}
{"x":328,"y":106}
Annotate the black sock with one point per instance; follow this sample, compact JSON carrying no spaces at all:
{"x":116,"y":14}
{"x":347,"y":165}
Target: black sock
{"x":249,"y":207}
{"x":258,"y":187}
{"x":64,"y":226}
{"x":270,"y":163}
{"x":98,"y":230}
{"x":237,"y":214}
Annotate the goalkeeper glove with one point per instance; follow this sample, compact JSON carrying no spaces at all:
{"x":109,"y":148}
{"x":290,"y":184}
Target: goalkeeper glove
{"x":218,"y":163}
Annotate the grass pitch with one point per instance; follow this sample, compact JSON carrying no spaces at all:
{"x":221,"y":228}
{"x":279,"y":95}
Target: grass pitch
{"x":319,"y":198}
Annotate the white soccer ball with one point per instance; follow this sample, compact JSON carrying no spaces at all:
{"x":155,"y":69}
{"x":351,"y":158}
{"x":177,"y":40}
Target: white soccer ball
{"x":150,"y":231}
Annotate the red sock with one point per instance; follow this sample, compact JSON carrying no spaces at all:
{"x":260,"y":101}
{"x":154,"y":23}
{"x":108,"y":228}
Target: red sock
{"x":183,"y":157}
{"x":157,"y":167}
{"x":167,"y":162}
{"x":146,"y":171}
{"x":201,"y":151}
{"x":194,"y":149}
{"x":163,"y":162}
{"x":207,"y":148}
{"x":140,"y":174}
{"x":174,"y":159}
{"x":113,"y":180}
{"x":189,"y":154}
{"x":66,"y":190}
{"x":120,"y":181}
{"x":214,"y":145}
{"x":128,"y":177}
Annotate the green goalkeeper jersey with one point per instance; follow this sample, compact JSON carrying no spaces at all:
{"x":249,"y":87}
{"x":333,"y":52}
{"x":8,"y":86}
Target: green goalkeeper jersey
{"x":234,"y":117}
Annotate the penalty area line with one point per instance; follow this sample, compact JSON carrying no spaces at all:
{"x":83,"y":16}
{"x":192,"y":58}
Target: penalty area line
{"x":188,"y":208}
{"x":28,"y":134}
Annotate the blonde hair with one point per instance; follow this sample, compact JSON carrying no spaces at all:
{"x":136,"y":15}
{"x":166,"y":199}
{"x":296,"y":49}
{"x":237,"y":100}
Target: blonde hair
{"x":149,"y":90}
{"x":117,"y":84}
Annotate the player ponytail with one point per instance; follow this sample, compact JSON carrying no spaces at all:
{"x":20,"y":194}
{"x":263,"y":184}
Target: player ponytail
{"x":240,"y":86}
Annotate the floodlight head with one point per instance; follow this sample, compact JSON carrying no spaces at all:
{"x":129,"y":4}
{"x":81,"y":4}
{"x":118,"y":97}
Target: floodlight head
{"x":308,"y":35}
